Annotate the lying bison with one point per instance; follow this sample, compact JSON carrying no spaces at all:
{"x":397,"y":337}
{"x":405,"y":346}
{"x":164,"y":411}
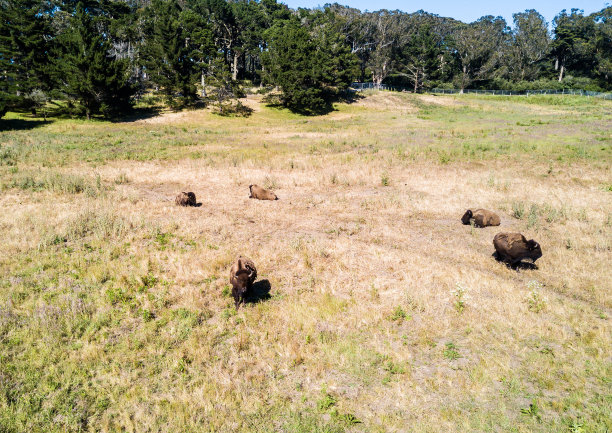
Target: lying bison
{"x":511,"y":248}
{"x":242,"y":275}
{"x":261,"y":193}
{"x":481,"y":217}
{"x":186,"y":199}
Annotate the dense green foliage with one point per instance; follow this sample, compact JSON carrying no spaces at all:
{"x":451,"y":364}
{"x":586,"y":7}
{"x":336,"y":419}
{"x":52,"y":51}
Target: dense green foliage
{"x":312,"y":69}
{"x":98,"y":54}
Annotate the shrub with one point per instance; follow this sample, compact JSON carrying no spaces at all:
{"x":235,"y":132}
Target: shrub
{"x":535,"y":300}
{"x":461,"y":297}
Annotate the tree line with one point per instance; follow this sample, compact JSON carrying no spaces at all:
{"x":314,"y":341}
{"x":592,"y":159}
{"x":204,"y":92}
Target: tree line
{"x":96,"y":57}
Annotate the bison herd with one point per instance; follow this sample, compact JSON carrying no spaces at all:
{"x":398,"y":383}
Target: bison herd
{"x":510,"y":248}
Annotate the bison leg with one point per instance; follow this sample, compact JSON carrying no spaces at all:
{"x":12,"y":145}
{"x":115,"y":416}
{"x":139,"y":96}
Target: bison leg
{"x":236,"y":295}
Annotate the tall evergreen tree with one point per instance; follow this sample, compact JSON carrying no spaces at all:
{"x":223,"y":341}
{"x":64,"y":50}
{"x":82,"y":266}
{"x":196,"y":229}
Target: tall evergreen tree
{"x":418,"y":57}
{"x":312,"y":71}
{"x":89,"y":72}
{"x":179,"y":45}
{"x":574,"y":45}
{"x":7,"y":70}
{"x":603,"y":46}
{"x":25,"y":40}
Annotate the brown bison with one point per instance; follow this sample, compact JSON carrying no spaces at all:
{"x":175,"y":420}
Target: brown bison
{"x":511,"y":248}
{"x":186,"y":199}
{"x":481,"y":217}
{"x":242,"y":275}
{"x":261,"y":193}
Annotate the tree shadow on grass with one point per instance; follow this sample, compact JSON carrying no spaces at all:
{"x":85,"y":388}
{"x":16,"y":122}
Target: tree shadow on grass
{"x":274,"y":100}
{"x":137,"y":114}
{"x":21,"y":124}
{"x":351,"y":96}
{"x":259,"y":292}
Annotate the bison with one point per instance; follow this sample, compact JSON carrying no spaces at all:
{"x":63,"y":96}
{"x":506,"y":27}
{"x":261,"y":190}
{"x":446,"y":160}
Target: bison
{"x":186,"y":199}
{"x":511,"y":248}
{"x":242,"y":275}
{"x":481,"y":217}
{"x":261,"y":193}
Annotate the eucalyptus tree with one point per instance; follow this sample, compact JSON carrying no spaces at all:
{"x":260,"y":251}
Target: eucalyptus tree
{"x":479,"y":47}
{"x":530,"y":45}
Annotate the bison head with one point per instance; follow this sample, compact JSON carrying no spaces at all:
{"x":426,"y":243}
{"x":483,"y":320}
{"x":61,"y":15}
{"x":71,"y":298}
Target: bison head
{"x":241,"y":283}
{"x":465,"y":219}
{"x":534,"y":251}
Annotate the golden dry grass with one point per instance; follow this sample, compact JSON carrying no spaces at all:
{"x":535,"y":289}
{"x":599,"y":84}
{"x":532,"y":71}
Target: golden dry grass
{"x":115,"y":309}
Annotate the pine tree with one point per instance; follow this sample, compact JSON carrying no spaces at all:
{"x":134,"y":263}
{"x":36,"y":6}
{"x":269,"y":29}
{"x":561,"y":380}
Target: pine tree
{"x":418,"y":58}
{"x":25,"y":37}
{"x":177,"y":50}
{"x":90,"y":74}
{"x":7,"y":70}
{"x":312,"y":71}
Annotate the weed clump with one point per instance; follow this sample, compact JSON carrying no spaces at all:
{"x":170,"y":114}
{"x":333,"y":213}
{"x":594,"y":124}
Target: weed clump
{"x":450,"y":351}
{"x":535,"y":300}
{"x":518,"y":209}
{"x":460,"y":297}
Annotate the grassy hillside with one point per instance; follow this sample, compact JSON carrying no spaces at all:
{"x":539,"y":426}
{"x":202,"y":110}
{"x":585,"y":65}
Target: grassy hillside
{"x":376,"y":309}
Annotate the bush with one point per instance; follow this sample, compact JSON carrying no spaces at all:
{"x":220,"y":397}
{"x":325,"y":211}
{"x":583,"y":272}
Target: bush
{"x":233,"y":109}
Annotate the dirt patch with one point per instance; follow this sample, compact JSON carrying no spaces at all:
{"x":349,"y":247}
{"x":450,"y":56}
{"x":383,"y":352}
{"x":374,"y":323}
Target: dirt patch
{"x":387,"y":101}
{"x":439,"y":100}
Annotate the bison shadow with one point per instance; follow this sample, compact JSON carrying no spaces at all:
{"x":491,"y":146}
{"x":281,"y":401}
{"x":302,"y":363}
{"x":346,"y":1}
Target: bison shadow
{"x":517,"y":266}
{"x":260,"y":291}
{"x":197,"y":205}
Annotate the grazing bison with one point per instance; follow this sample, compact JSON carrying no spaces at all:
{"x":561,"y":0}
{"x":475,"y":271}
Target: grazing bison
{"x":261,"y":193}
{"x":513,"y":247}
{"x":186,"y":199}
{"x":242,"y":275}
{"x":481,"y":217}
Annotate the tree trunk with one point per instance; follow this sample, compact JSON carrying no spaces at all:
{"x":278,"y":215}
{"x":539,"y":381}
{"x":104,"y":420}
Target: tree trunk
{"x":561,"y":73}
{"x":263,"y":74}
{"x":203,"y":85}
{"x":463,"y":79}
{"x":416,"y":81}
{"x":235,"y":67}
{"x":557,"y":64}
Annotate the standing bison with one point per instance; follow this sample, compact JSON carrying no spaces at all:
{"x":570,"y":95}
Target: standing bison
{"x":481,"y":217}
{"x":242,"y":275}
{"x":261,"y":193}
{"x":511,"y":248}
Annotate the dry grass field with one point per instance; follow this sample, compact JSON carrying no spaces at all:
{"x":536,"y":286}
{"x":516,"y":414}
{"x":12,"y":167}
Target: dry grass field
{"x":375,"y":310}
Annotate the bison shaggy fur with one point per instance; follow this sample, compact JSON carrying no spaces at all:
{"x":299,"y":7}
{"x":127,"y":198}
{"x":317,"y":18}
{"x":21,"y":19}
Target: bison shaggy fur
{"x":261,"y":193}
{"x":186,"y":199}
{"x":242,"y":275}
{"x":511,"y":248}
{"x":481,"y":217}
